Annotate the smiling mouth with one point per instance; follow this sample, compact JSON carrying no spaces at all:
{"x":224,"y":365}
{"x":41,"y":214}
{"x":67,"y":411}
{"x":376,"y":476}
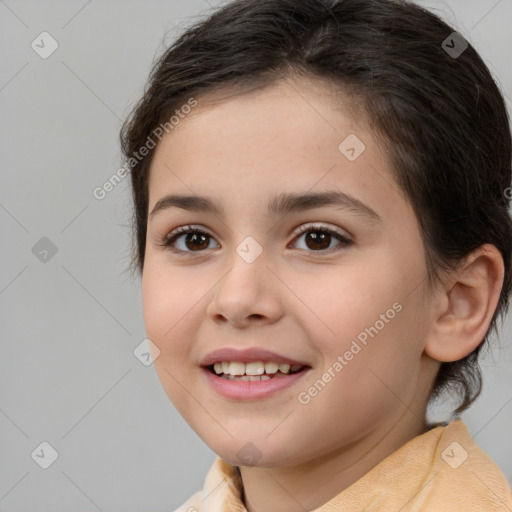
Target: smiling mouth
{"x":254,"y":371}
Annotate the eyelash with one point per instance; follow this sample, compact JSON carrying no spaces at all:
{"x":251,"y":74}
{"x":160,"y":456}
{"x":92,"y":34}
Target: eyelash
{"x":171,"y":238}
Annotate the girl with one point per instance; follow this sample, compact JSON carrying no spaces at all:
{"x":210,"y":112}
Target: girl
{"x":321,"y":226}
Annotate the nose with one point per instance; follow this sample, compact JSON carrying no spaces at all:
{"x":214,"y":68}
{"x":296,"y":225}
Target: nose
{"x":248,"y":294}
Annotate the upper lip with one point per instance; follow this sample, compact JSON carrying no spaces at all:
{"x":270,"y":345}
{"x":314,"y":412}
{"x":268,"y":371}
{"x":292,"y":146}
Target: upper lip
{"x":248,"y":355}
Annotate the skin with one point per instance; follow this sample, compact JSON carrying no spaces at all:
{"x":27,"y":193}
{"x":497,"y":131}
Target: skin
{"x":297,"y":300}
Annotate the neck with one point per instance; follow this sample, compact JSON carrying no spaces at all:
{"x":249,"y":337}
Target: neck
{"x":312,"y":484}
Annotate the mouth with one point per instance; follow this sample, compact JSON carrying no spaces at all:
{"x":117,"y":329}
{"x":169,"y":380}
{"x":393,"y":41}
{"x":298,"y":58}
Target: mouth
{"x":254,"y":371}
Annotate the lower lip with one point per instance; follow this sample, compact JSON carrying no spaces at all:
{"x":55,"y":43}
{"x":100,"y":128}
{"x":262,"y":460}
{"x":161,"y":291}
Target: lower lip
{"x":245,"y":390}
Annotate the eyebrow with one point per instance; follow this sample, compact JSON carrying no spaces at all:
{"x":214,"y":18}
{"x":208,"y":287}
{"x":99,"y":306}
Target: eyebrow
{"x":281,"y":204}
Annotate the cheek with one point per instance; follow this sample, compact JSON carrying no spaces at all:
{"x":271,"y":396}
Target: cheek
{"x":166,"y":302}
{"x":345,"y":302}
{"x":360,"y":384}
{"x":369,"y":319}
{"x":168,"y":307}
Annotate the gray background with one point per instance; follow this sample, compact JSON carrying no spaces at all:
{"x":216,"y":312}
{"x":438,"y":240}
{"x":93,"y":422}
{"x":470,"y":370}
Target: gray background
{"x":70,"y":324}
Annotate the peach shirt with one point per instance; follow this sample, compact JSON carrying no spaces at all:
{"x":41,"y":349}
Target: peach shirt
{"x":442,"y":470}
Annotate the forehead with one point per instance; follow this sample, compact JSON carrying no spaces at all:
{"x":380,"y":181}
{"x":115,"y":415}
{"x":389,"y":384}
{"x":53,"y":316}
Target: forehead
{"x":293,"y":136}
{"x":306,"y":107}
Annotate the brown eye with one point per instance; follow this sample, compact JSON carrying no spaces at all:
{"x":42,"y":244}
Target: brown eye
{"x":319,"y":239}
{"x":196,"y":241}
{"x":189,"y":240}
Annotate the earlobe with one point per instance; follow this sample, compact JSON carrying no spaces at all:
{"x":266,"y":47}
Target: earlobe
{"x":467,"y":305}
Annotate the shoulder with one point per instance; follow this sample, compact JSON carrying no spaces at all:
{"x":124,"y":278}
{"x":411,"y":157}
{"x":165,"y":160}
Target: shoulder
{"x":467,"y":475}
{"x":191,"y":505}
{"x":222,"y":486}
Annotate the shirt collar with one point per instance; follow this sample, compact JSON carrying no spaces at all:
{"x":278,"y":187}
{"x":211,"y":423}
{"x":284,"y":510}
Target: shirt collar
{"x":424,"y":470}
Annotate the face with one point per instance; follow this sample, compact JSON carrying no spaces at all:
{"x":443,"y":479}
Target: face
{"x":335,"y":286}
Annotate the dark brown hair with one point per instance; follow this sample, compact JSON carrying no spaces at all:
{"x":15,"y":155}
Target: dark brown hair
{"x":441,"y":115}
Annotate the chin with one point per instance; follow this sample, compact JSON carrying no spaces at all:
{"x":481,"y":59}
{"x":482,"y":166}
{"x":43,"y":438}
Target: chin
{"x":253,"y":454}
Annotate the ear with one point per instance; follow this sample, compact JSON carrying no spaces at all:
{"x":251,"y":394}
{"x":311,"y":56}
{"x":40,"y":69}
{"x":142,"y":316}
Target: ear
{"x":467,"y":304}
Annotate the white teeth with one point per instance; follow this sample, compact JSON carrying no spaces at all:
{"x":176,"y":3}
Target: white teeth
{"x":271,"y":367}
{"x":284,"y":368}
{"x":257,"y":368}
{"x":236,"y":368}
{"x":253,"y":369}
